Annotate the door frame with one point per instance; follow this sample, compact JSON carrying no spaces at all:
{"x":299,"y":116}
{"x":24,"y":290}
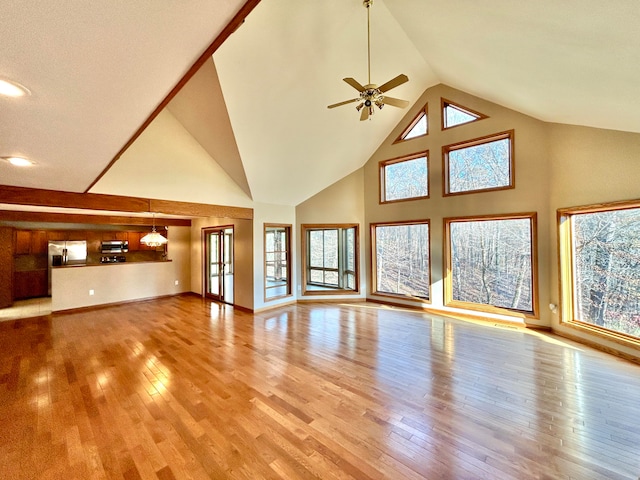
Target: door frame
{"x":205,"y":261}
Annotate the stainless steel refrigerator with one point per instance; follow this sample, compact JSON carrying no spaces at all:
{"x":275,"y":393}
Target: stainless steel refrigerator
{"x":70,"y":252}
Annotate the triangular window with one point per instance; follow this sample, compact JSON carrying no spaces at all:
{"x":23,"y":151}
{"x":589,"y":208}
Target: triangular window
{"x":454,"y":114}
{"x":418,"y":127}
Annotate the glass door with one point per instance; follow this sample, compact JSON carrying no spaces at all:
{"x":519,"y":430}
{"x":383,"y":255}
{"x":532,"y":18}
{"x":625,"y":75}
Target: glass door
{"x":219,"y":263}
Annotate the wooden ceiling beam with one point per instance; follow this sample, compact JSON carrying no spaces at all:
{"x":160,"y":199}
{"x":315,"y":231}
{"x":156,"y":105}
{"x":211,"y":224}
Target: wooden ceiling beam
{"x":231,"y":27}
{"x":116,"y":203}
{"x":49,"y":217}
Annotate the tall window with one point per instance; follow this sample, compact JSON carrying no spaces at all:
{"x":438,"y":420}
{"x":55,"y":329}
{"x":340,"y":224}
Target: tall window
{"x":401,"y":259}
{"x":331,"y":259}
{"x":277,"y":271}
{"x":404,"y":178}
{"x":600,"y":261}
{"x":491,"y":263}
{"x":482,"y":164}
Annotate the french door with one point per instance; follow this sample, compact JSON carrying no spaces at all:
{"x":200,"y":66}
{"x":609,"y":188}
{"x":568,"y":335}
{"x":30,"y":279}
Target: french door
{"x":218,"y":250}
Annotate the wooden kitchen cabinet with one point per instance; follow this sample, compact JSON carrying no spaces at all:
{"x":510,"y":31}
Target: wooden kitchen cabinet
{"x":134,"y":241}
{"x":30,"y":242}
{"x":57,"y":235}
{"x":23,"y":242}
{"x":30,"y":284}
{"x":39,"y":242}
{"x":107,"y":236}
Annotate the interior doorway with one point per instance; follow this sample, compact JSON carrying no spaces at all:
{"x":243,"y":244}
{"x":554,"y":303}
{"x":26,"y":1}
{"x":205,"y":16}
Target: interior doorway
{"x":218,"y":251}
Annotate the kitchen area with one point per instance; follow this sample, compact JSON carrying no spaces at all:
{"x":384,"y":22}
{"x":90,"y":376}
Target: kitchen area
{"x":43,"y":266}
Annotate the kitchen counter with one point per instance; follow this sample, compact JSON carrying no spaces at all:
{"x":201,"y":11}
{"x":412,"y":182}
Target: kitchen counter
{"x":109,"y":263}
{"x":78,"y":286}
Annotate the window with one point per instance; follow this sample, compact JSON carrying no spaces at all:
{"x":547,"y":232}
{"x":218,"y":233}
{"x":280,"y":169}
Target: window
{"x":454,"y":114}
{"x":331,"y":259}
{"x":418,"y":127}
{"x":481,"y":164}
{"x":600,"y":261}
{"x":277,"y":268}
{"x":404,"y":178}
{"x":401,"y":259}
{"x":491,"y":264}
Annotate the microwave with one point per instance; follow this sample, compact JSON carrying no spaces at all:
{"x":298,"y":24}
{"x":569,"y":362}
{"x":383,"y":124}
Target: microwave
{"x":115,"y":246}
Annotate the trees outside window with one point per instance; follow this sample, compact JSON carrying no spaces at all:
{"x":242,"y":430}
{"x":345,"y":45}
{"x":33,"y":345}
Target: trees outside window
{"x":491,"y":263}
{"x":401,"y":259}
{"x":483,"y":164}
{"x":331,"y":259}
{"x":600,"y":264}
{"x":277,"y":250}
{"x":404,"y":178}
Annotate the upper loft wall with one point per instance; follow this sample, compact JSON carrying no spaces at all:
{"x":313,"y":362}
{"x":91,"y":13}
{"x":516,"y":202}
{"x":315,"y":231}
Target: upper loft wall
{"x":531,"y":192}
{"x":166,"y":162}
{"x":590,"y":166}
{"x":342,"y":202}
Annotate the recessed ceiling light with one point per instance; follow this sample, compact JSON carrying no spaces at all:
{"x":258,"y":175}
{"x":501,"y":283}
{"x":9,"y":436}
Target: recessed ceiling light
{"x":18,"y":161}
{"x":13,"y":89}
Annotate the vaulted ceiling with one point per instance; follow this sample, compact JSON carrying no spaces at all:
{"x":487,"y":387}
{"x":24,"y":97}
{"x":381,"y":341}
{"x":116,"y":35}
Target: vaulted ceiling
{"x":252,"y":123}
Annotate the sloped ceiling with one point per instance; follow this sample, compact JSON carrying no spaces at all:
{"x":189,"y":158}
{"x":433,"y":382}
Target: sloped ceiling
{"x":96,"y":74}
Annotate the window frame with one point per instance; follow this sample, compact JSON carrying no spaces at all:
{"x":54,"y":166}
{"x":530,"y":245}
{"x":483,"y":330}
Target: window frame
{"x":448,"y":277}
{"x":566,"y":272}
{"x":447,"y":149}
{"x":305,"y":228}
{"x":382,"y":177}
{"x":423,"y":111}
{"x":445,"y":103}
{"x":287,"y":252}
{"x":374,"y":263}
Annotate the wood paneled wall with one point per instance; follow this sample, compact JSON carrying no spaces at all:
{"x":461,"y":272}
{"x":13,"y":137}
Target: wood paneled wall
{"x":6,"y":267}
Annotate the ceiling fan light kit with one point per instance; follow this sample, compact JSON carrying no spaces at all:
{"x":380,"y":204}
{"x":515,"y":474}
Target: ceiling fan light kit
{"x":370,"y":94}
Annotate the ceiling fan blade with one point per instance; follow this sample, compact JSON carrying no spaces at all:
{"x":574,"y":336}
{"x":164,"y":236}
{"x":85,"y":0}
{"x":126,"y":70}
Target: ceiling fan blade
{"x":343,"y":103}
{"x":394,"y":82}
{"x":395,"y":102}
{"x":365,"y":114}
{"x":353,"y":82}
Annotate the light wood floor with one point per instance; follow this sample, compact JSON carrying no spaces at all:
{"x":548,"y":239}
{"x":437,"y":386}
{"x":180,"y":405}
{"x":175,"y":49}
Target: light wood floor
{"x":182,"y":388}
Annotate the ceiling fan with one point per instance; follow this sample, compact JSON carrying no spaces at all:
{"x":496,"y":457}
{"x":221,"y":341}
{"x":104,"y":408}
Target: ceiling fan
{"x":371,"y":94}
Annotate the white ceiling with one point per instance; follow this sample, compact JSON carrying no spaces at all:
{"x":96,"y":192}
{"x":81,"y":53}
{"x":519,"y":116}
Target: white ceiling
{"x":97,"y":73}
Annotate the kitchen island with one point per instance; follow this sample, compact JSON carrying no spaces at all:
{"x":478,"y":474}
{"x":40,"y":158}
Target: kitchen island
{"x":81,"y":286}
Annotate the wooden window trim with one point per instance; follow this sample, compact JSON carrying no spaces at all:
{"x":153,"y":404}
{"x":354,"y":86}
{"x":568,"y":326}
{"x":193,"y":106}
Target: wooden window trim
{"x":444,"y":103}
{"x":372,"y":254}
{"x":446,"y":149}
{"x":566,"y":280}
{"x":424,"y":111}
{"x":382,"y":177}
{"x":303,"y":254}
{"x":289,"y":230}
{"x":448,"y":284}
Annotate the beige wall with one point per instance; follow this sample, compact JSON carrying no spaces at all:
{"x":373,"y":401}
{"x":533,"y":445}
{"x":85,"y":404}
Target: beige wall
{"x":243,"y":257}
{"x":589,"y":166}
{"x":342,"y":202}
{"x":531,"y":179}
{"x":267,"y":213}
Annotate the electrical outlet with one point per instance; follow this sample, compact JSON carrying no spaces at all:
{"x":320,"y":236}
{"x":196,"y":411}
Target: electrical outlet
{"x":92,"y":292}
{"x":177,"y":282}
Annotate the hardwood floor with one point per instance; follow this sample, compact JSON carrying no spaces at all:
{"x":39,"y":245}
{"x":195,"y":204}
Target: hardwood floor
{"x":182,"y":388}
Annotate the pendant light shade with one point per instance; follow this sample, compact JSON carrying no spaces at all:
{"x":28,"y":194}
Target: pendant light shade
{"x":153,"y":239}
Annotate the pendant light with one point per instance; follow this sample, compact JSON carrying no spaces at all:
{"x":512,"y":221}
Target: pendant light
{"x":153,"y":239}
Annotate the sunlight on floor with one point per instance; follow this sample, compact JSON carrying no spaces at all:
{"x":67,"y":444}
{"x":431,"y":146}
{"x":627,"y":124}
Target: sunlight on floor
{"x":32,"y":307}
